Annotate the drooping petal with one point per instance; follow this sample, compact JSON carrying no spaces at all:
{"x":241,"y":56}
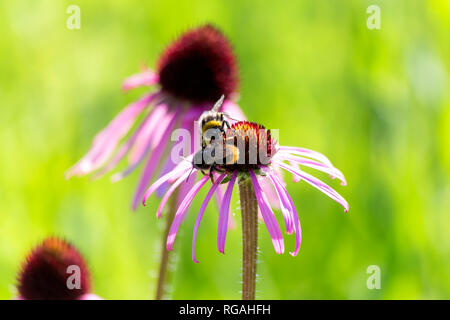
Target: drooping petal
{"x":173,"y":159}
{"x":224,"y":213}
{"x":152,"y":163}
{"x":151,"y":134}
{"x":202,"y":210}
{"x":144,"y":78}
{"x":334,"y":172}
{"x":270,"y":193}
{"x":268,"y":216}
{"x":182,"y":209}
{"x":149,"y":122}
{"x":185,"y":164}
{"x":297,"y":227}
{"x":186,"y":187}
{"x":294,"y":177}
{"x":284,"y":204}
{"x":170,"y":191}
{"x":106,"y":140}
{"x":317,"y":184}
{"x":174,"y":174}
{"x":306,"y":153}
{"x":168,"y":166}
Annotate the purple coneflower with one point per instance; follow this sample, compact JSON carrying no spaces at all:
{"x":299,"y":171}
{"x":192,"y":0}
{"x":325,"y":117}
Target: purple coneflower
{"x":192,"y":73}
{"x":250,"y":176}
{"x":48,"y":270}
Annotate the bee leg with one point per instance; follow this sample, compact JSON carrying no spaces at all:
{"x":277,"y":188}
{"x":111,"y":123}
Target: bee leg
{"x":225,"y":123}
{"x":204,"y":173}
{"x":211,"y":176}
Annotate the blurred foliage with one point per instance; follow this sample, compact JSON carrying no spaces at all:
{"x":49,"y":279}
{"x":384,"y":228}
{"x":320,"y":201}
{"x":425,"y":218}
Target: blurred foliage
{"x":376,"y":102}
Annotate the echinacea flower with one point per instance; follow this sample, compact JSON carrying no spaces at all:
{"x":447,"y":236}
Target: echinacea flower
{"x":192,"y":73}
{"x":270,"y":158}
{"x":55,"y":270}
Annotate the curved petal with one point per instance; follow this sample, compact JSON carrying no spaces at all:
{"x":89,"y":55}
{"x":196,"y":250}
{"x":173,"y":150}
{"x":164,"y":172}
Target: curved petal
{"x":284,"y":204}
{"x":297,"y":227}
{"x":106,"y":140}
{"x":169,"y":193}
{"x":174,"y":174}
{"x":149,"y":122}
{"x":306,"y":153}
{"x":270,"y":193}
{"x":202,"y":210}
{"x":224,"y":213}
{"x":332,"y":171}
{"x":144,"y":78}
{"x":317,"y":184}
{"x":182,"y":209}
{"x":152,"y":163}
{"x":268,"y":216}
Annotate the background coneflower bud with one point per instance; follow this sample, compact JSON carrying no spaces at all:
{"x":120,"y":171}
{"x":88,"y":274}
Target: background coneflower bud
{"x":46,"y":271}
{"x":199,"y":66}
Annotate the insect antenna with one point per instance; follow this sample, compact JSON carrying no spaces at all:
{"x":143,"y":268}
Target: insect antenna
{"x":218,"y":104}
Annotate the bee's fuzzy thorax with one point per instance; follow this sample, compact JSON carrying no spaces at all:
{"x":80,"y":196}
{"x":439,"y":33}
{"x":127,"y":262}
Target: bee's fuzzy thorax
{"x":44,"y":274}
{"x":199,"y":66}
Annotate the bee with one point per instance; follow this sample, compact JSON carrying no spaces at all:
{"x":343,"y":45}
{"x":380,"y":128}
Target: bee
{"x":213,"y":123}
{"x":206,"y":159}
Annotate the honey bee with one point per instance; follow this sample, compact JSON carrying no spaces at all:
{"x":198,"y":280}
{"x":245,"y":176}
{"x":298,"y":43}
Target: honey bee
{"x":213,"y":123}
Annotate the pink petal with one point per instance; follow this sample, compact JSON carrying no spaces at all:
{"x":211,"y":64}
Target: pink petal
{"x":268,"y":216}
{"x":152,"y":117}
{"x":202,"y":210}
{"x":224,"y":213}
{"x":182,"y":209}
{"x":297,"y":229}
{"x":174,"y":174}
{"x":169,"y":193}
{"x":284,"y":204}
{"x":106,"y":141}
{"x":151,"y":134}
{"x":144,"y":78}
{"x":152,"y":164}
{"x":317,"y":184}
{"x":306,"y":153}
{"x":334,"y":172}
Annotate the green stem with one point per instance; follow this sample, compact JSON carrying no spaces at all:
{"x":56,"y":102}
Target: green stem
{"x":164,"y":272}
{"x":249,"y":212}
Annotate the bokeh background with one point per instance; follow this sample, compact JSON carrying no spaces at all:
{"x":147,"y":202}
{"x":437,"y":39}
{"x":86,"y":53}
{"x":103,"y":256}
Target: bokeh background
{"x":376,"y":102}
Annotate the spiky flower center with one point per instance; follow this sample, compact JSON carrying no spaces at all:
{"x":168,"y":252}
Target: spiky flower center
{"x":46,"y":273}
{"x":253,"y":143}
{"x":199,"y":66}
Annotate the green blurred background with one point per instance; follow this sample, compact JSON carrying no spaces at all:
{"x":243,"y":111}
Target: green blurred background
{"x":376,"y":102}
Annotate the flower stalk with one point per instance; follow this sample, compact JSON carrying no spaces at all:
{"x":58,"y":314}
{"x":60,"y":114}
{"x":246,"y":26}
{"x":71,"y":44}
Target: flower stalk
{"x":249,"y":212}
{"x":164,"y":272}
